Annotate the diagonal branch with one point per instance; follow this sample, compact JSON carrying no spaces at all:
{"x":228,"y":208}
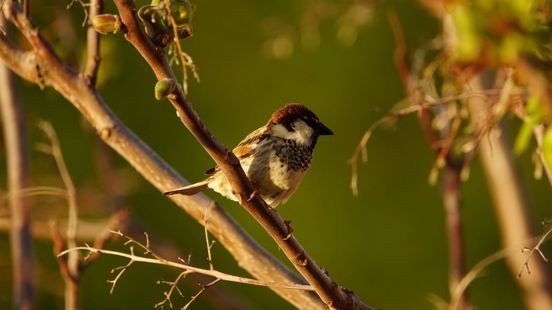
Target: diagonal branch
{"x":331,"y":294}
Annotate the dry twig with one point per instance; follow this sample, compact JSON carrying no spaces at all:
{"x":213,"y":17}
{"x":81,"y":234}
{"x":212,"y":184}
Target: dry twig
{"x":157,"y":260}
{"x":535,"y":249}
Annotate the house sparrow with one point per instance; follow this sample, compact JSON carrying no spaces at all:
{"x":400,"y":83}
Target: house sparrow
{"x":274,"y":157}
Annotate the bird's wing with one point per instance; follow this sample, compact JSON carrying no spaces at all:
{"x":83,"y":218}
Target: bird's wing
{"x":246,"y":146}
{"x":249,"y":143}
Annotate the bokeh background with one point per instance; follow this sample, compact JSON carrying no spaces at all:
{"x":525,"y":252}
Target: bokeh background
{"x":388,"y":244}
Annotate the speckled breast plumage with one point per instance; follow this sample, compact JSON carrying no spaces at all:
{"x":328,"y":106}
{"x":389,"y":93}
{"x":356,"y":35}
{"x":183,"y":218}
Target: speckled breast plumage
{"x":276,"y":168}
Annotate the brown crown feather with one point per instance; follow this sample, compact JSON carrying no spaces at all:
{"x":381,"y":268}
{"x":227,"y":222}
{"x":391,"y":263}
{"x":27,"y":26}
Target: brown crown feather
{"x":292,"y":112}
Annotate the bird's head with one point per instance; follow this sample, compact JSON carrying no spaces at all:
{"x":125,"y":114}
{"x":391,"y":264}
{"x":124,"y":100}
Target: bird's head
{"x":296,"y":122}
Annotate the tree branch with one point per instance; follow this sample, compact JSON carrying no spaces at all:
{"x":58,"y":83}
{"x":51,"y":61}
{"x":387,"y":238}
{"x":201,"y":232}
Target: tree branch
{"x":43,"y":67}
{"x":331,"y":294}
{"x":17,"y":172}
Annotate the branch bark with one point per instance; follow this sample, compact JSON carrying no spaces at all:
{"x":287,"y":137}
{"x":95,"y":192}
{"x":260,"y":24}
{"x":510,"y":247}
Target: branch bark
{"x":42,"y":66}
{"x":17,"y":172}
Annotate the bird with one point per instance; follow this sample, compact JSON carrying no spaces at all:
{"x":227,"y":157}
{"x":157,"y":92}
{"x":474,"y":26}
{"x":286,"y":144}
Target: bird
{"x":275,"y":157}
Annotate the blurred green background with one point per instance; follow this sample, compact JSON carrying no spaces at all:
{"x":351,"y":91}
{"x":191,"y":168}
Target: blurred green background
{"x":388,"y":245}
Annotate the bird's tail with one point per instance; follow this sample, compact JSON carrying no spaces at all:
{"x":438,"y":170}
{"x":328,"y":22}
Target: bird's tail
{"x":191,"y":189}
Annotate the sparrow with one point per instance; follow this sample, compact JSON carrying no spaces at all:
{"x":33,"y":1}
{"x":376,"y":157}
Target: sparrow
{"x":275,"y":157}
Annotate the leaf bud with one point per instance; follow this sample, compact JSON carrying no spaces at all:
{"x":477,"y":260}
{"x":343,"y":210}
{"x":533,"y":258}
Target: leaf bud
{"x":164,"y":87}
{"x":106,"y":23}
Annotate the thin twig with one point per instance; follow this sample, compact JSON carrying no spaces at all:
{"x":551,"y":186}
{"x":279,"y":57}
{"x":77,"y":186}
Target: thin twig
{"x":173,"y":287}
{"x":201,"y":291}
{"x":536,"y":248}
{"x":120,"y":270}
{"x":212,"y":273}
{"x":208,"y":244}
{"x":469,"y":277}
{"x":92,"y":44}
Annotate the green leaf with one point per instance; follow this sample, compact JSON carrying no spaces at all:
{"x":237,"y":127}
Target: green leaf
{"x":535,"y":115}
{"x":523,"y":138}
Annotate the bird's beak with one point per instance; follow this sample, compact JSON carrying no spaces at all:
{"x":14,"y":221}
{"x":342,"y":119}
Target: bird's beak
{"x":323,"y":130}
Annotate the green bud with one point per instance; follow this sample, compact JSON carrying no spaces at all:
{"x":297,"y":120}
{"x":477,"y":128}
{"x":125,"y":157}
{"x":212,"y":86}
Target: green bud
{"x":164,"y":87}
{"x":106,"y":23}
